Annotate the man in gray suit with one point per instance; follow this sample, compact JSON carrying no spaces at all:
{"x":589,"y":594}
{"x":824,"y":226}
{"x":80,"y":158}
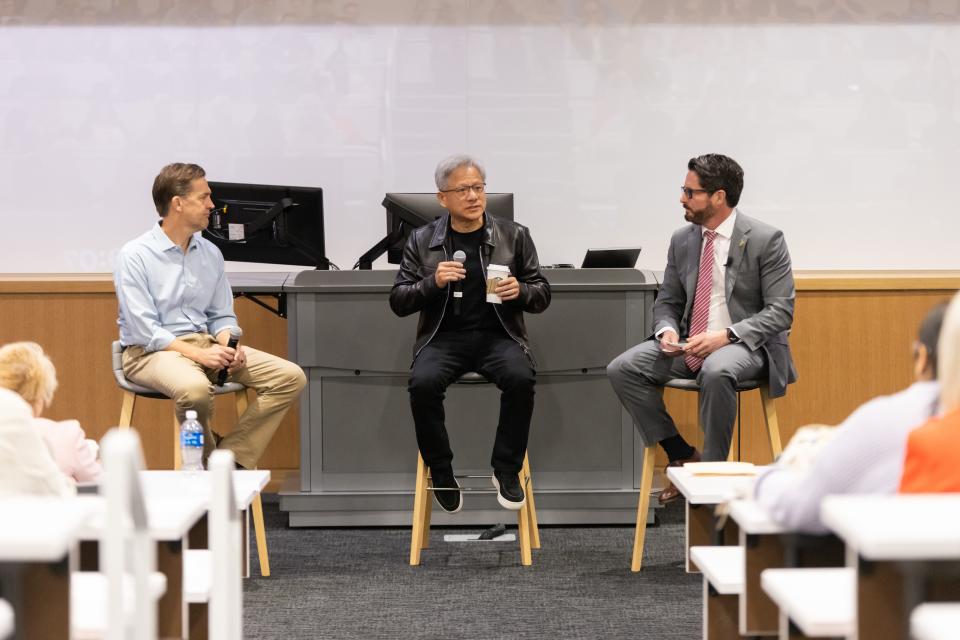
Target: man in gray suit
{"x":728,"y":288}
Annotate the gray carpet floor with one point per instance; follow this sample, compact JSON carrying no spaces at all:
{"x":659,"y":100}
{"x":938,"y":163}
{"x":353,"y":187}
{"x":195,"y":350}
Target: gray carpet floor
{"x":356,"y":583}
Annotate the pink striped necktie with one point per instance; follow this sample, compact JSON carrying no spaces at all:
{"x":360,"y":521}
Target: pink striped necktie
{"x":701,"y":300}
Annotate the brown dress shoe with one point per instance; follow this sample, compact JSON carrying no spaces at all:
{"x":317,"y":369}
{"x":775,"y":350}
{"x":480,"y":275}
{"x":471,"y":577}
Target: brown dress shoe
{"x":670,"y":492}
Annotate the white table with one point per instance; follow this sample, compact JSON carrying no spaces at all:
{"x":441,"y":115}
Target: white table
{"x":39,"y":529}
{"x":176,"y":503}
{"x":938,"y":621}
{"x":898,"y":527}
{"x":169,"y":520}
{"x":37,"y":553}
{"x":722,"y":569}
{"x":901,"y":546}
{"x":167,"y":483}
{"x":768,"y":545}
{"x":818,"y":601}
{"x":247,"y":485}
{"x":702,"y":494}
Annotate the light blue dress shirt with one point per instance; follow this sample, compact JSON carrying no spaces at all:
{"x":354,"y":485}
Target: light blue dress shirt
{"x":164,"y":293}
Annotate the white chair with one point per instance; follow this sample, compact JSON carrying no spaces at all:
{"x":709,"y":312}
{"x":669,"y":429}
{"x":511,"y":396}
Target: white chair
{"x":6,"y":619}
{"x":120,"y":602}
{"x":212,"y":576}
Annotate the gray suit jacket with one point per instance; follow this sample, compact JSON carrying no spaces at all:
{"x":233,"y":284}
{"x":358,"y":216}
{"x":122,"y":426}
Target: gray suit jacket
{"x":759,"y":287}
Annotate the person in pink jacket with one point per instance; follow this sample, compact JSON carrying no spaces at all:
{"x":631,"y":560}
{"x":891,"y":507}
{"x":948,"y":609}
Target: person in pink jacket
{"x":26,"y":370}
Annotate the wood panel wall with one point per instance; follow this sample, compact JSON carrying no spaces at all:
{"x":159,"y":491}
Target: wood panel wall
{"x":851,"y":341}
{"x":75,"y":319}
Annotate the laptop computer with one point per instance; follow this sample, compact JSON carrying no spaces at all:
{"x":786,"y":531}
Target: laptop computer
{"x":619,"y":258}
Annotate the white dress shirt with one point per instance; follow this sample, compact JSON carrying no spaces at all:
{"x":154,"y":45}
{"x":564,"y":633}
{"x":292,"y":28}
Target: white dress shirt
{"x":719,"y":315}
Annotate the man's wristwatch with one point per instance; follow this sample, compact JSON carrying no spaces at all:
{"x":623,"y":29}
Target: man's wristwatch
{"x":731,"y":336}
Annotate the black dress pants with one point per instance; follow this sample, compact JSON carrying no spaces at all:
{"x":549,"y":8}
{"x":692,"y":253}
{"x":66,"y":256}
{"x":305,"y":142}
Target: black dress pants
{"x":500,"y":360}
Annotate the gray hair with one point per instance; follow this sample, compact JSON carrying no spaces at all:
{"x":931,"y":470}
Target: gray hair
{"x":451,"y":164}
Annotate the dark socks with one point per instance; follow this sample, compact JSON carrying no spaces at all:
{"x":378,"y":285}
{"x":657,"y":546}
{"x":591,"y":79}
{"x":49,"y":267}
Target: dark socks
{"x":676,"y":447}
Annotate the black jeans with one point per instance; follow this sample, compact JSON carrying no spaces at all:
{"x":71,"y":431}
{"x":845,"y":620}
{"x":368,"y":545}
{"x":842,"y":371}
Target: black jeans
{"x":500,"y":360}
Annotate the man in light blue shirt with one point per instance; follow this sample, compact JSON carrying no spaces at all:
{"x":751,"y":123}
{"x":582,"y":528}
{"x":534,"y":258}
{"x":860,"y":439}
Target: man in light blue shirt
{"x":176,"y":312}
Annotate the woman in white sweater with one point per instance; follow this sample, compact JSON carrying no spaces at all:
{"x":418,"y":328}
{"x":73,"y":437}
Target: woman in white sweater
{"x":27,"y":371}
{"x":26,"y":465}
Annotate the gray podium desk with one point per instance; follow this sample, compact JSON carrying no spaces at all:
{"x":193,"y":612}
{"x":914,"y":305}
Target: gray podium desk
{"x":358,"y":449}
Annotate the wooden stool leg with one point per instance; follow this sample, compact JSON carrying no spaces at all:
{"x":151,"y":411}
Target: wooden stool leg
{"x":523,"y":529}
{"x":261,"y":535}
{"x":420,"y":499}
{"x":773,"y":425}
{"x":240,"y":398}
{"x":259,"y":530}
{"x":177,"y":460}
{"x":646,"y":484}
{"x":733,"y":454}
{"x":531,"y":506}
{"x":126,"y":409}
{"x":427,"y":514}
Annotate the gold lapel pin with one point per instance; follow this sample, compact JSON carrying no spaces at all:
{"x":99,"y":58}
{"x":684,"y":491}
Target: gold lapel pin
{"x":743,"y":241}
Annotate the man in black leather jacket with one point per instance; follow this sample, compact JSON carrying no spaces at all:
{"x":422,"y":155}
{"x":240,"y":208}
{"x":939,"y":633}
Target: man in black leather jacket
{"x":459,"y":331}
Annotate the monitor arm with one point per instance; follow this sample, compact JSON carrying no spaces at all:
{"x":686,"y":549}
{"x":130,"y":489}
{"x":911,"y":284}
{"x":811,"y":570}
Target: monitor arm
{"x":366,"y":260}
{"x":267,"y":218}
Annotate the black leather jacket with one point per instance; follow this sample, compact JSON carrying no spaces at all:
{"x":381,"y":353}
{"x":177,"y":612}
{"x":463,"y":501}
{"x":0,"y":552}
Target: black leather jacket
{"x":504,"y":242}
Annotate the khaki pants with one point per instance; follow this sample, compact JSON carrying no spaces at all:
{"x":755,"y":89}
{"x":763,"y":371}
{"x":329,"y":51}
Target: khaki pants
{"x":276,"y":381}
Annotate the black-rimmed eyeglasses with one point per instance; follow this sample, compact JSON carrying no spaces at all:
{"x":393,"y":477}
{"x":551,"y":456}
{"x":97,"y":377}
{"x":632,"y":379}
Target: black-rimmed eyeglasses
{"x":688,"y":192}
{"x":461,"y":192}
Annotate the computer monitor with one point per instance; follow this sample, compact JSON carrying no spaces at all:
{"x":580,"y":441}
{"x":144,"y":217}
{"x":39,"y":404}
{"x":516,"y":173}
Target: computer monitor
{"x":268,"y":224}
{"x":407,"y":211}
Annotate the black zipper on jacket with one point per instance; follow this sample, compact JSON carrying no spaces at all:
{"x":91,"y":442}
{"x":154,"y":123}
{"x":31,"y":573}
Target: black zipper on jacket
{"x":442,"y":312}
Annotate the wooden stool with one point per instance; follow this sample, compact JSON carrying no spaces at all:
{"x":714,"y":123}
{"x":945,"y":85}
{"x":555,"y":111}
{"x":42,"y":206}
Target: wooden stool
{"x":130,"y":392}
{"x":646,"y":473}
{"x":769,"y":407}
{"x":527,"y":529}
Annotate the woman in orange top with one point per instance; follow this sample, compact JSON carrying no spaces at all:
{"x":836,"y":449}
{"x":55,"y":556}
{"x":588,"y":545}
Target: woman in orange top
{"x":932,"y":464}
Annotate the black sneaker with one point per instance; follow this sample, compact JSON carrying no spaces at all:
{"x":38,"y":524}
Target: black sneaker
{"x":446,"y":489}
{"x":509,"y":492}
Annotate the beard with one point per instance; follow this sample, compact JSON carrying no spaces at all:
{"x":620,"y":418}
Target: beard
{"x":696,"y":217}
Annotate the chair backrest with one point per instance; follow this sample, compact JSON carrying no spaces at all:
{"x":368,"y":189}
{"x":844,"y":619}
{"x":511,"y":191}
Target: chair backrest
{"x":116,"y":354}
{"x":225,"y":544}
{"x":125,"y":543}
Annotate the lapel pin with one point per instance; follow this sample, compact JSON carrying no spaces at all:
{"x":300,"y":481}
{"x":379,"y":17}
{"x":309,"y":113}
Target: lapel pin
{"x":743,"y":241}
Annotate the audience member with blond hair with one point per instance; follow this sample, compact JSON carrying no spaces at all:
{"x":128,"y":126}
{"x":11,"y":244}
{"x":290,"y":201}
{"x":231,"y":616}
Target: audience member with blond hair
{"x":932,"y":462}
{"x":26,"y":370}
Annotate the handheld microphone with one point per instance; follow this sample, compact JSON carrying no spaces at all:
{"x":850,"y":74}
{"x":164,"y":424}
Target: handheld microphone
{"x":461,"y":257}
{"x":235,"y":334}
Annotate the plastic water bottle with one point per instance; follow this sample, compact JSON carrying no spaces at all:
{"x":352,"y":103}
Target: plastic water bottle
{"x":191,"y":443}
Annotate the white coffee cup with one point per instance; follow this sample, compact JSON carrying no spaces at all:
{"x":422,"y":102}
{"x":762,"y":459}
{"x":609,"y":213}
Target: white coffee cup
{"x":495,"y":273}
